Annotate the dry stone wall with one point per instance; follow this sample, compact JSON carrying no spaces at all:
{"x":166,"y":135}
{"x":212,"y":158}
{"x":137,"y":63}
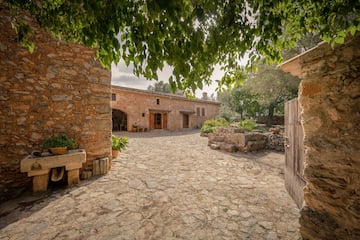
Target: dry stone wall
{"x":330,"y":99}
{"x":232,"y":139}
{"x":58,"y":89}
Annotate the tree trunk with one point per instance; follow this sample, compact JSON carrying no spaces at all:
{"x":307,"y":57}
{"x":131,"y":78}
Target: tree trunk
{"x":270,"y":116}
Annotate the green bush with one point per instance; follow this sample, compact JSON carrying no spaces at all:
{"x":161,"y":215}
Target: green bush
{"x":223,"y":122}
{"x":119,"y":143}
{"x":59,"y":141}
{"x":210,"y":125}
{"x":248,"y":124}
{"x":207,"y":129}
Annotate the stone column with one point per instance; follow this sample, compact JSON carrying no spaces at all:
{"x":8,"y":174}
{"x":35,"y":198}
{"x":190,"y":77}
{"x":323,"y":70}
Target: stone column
{"x":330,"y":98}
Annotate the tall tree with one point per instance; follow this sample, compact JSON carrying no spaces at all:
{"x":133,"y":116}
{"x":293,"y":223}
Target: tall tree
{"x":160,"y":87}
{"x":303,"y":44}
{"x":273,"y":87}
{"x":205,"y":96}
{"x":163,"y":87}
{"x":191,"y":36}
{"x":244,"y":102}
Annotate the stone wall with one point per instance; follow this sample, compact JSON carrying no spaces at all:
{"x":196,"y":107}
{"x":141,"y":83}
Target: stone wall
{"x":232,"y":139}
{"x":138,"y":104}
{"x":277,"y":120}
{"x":330,"y":98}
{"x":58,"y":89}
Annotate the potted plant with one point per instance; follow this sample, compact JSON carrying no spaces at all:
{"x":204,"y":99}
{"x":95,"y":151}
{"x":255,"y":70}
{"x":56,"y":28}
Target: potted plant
{"x":118,"y":144}
{"x":59,"y":144}
{"x":134,"y":127}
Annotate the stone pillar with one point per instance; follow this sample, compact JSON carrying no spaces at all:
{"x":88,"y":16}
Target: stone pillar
{"x":40,"y":179}
{"x":73,"y":177}
{"x":330,"y":98}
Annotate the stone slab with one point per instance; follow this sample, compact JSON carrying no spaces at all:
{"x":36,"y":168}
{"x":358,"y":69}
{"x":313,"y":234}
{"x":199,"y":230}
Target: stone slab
{"x":73,"y":159}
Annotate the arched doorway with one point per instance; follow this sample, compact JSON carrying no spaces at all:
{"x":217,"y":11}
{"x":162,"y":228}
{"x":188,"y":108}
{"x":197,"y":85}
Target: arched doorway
{"x":119,"y":120}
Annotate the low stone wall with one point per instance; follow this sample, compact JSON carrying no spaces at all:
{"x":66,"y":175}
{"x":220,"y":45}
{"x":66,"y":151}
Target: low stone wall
{"x":232,"y":139}
{"x":275,"y":142}
{"x":277,"y":120}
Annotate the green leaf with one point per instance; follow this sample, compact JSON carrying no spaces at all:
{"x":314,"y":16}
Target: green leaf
{"x":191,"y":36}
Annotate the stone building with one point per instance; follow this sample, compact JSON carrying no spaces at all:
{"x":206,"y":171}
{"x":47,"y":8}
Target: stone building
{"x":152,"y":110}
{"x":330,"y":100}
{"x":58,"y":89}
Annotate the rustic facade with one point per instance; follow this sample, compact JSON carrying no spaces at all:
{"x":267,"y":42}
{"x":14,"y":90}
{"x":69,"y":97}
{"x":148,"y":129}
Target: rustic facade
{"x":149,"y":110}
{"x":330,"y":100}
{"x":58,"y":89}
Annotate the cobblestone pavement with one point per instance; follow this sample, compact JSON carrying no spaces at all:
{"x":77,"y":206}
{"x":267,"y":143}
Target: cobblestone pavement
{"x":164,"y":186}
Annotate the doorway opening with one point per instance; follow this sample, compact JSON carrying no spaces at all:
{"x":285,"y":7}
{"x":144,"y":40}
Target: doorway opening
{"x":119,"y":120}
{"x":158,"y":120}
{"x":185,"y":120}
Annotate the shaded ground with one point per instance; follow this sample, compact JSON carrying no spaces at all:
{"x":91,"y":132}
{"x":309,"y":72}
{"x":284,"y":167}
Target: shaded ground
{"x":165,"y":186}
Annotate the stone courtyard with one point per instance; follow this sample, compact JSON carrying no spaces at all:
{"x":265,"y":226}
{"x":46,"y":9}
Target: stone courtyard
{"x":164,"y":186}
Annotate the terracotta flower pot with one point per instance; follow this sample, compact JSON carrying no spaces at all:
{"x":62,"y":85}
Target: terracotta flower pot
{"x":114,"y":153}
{"x":58,"y":150}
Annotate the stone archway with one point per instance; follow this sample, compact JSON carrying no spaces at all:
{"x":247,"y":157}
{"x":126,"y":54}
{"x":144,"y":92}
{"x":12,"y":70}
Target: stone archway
{"x":119,"y":120}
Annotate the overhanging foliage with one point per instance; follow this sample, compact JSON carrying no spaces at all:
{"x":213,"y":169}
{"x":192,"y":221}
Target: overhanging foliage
{"x":189,"y":35}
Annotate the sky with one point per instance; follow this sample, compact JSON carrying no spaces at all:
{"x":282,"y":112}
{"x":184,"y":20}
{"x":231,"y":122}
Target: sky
{"x":122,"y":75}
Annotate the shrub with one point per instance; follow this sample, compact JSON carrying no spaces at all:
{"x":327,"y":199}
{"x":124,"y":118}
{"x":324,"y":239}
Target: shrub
{"x":59,"y":141}
{"x":223,"y":122}
{"x":119,"y":143}
{"x":248,"y":124}
{"x":210,"y":125}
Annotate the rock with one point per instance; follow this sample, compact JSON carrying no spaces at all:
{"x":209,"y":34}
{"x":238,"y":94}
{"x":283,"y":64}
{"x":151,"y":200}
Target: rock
{"x":245,"y":214}
{"x":152,"y":184}
{"x":136,"y":184}
{"x":215,"y":146}
{"x":61,"y":98}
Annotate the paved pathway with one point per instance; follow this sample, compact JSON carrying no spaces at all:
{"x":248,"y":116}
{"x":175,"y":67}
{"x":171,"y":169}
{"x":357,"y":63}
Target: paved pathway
{"x":165,"y":187}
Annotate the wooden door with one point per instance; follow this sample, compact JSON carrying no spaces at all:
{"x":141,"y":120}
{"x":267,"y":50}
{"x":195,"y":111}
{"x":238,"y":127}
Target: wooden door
{"x":152,"y":118}
{"x":157,"y":121}
{"x":165,"y":121}
{"x":294,"y":152}
{"x":185,"y":121}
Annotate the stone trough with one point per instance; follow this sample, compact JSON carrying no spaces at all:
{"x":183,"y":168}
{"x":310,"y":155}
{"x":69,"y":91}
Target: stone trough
{"x":40,"y":167}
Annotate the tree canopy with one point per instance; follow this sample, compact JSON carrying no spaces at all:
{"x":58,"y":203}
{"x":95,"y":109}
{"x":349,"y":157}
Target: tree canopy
{"x":189,"y":35}
{"x":273,"y":88}
{"x":159,"y":87}
{"x":263,"y":93}
{"x":163,"y":87}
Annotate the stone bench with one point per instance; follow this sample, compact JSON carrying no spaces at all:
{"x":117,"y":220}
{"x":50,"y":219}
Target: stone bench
{"x":40,"y":167}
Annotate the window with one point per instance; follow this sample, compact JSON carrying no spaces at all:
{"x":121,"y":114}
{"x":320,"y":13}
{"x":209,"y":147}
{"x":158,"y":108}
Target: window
{"x":158,"y":101}
{"x":113,"y":97}
{"x":143,"y":114}
{"x":203,"y":112}
{"x":197,"y":111}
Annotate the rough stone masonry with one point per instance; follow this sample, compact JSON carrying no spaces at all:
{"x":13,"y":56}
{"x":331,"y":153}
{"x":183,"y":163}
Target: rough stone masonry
{"x":330,"y":99}
{"x":58,"y":89}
